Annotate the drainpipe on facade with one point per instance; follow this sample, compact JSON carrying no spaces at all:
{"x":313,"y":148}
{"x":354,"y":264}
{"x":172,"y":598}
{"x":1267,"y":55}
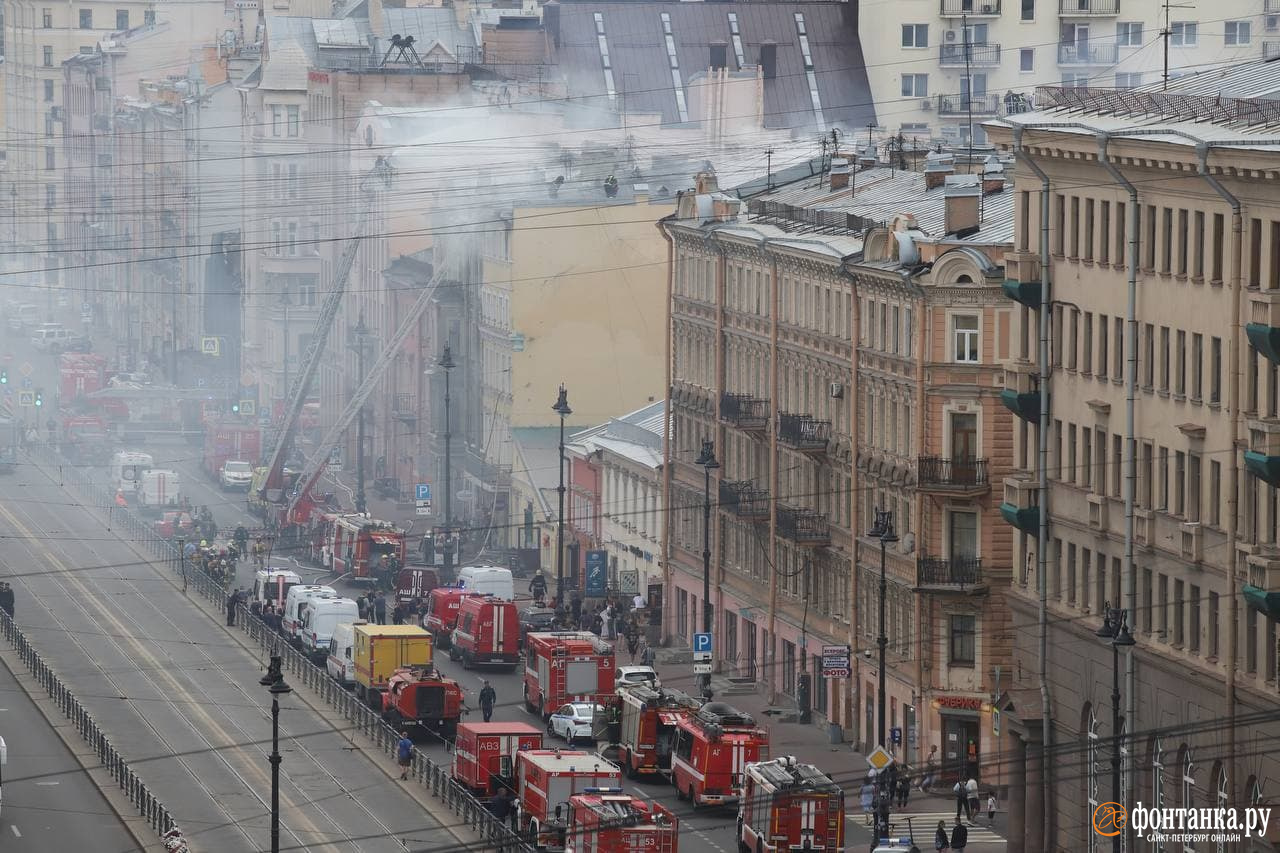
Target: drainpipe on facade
{"x":926,"y":320}
{"x":1130,"y":395}
{"x":722,"y":369}
{"x":855,"y":430}
{"x":1042,"y":489}
{"x":771,"y":657}
{"x":668,"y":577}
{"x":1233,"y":405}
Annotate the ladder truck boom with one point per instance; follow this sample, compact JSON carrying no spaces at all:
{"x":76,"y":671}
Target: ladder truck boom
{"x":316,"y":464}
{"x":273,"y":483}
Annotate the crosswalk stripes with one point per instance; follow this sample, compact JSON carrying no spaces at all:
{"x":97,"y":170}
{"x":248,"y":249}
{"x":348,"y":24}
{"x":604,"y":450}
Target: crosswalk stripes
{"x":923,"y":825}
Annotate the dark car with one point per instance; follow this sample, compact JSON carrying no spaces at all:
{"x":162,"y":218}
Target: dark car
{"x":77,"y":343}
{"x":535,"y":619}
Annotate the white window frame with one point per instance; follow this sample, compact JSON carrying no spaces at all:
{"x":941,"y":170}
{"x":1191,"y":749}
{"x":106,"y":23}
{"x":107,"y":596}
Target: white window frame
{"x":1179,"y":32}
{"x":1129,"y":33}
{"x":1026,"y":60}
{"x":913,"y":41}
{"x":972,"y":339}
{"x":1128,"y":80}
{"x":293,"y":113}
{"x":277,"y":119}
{"x":1237,"y":33}
{"x":915,"y":90}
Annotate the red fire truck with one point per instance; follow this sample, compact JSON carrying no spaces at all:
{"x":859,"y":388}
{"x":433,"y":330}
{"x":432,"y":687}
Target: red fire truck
{"x":546,"y":779}
{"x":356,"y":545}
{"x":84,"y":438}
{"x":787,"y":805}
{"x":443,"y":604}
{"x":80,"y":373}
{"x":648,"y":719}
{"x":230,"y":440}
{"x":713,"y":748}
{"x":609,"y":821}
{"x":415,"y":582}
{"x":566,"y":666}
{"x":484,"y":754}
{"x":487,"y":633}
{"x":423,"y":696}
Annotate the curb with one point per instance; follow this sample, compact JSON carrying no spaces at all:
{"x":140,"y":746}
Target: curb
{"x":124,"y":811}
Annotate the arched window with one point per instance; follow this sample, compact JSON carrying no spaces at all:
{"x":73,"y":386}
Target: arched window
{"x":1223,"y":795}
{"x":1188,"y":786}
{"x":964,"y":279}
{"x":1254,"y":787}
{"x":1157,"y":782}
{"x":1091,"y":769}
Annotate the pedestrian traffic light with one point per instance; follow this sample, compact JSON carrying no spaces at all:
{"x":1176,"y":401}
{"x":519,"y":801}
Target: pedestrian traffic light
{"x":39,"y":400}
{"x":4,"y":377}
{"x":235,"y":408}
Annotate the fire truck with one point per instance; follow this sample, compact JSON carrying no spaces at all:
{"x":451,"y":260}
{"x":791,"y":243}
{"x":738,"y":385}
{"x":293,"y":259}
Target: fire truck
{"x":648,"y":720}
{"x":228,"y":440}
{"x":487,"y":633}
{"x":713,"y":748}
{"x":545,"y":781}
{"x":608,"y":821}
{"x":443,"y":604}
{"x":84,"y":438}
{"x":787,"y":805}
{"x":484,"y":754}
{"x":566,"y":666}
{"x":422,"y":696}
{"x":415,"y":582}
{"x":356,"y":545}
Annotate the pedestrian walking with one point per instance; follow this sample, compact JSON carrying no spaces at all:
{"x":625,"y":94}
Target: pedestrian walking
{"x":397,"y":614}
{"x":633,"y":639}
{"x":959,"y":838}
{"x":647,"y":655}
{"x":904,"y":789}
{"x":867,"y":797}
{"x":500,"y":805}
{"x":930,"y":769}
{"x":962,"y":800}
{"x":488,"y":698}
{"x":404,"y":754}
{"x":971,"y":791}
{"x":380,"y":609}
{"x":6,"y":598}
{"x":233,"y":601}
{"x":940,"y":839}
{"x":991,"y":807}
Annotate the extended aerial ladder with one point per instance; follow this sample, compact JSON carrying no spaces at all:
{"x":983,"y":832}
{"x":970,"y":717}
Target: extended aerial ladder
{"x":274,"y":483}
{"x":314,"y":467}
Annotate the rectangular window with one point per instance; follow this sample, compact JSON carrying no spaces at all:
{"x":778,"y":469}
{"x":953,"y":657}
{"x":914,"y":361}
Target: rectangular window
{"x":49,"y":161}
{"x":294,"y":119}
{"x":48,"y":90}
{"x":1250,"y":641}
{"x":1026,"y":59}
{"x":1194,"y":619}
{"x":915,"y":85}
{"x":1074,"y":248}
{"x":122,"y":19}
{"x":1028,"y":10}
{"x":965,"y":330}
{"x":1162,"y":473}
{"x":1215,"y":370}
{"x":277,"y":120}
{"x":1164,"y":359}
{"x":915,"y":35}
{"x":1218,"y":227}
{"x":1086,"y":350}
{"x":1184,"y":34}
{"x":1213,"y":625}
{"x":1146,"y":473}
{"x":1162,"y":607}
{"x":1236,"y":33}
{"x":1181,"y":267}
{"x":149,"y":18}
{"x":1070,"y":470}
{"x":1181,"y":384}
{"x":1166,"y":231}
{"x":1197,"y":244}
{"x":86,"y":19}
{"x":1178,"y":604}
{"x":963,"y":640}
{"x":1117,"y":464}
{"x":1129,"y":33}
{"x":1197,"y":366}
{"x":1149,"y":356}
{"x":1193,"y":487}
{"x":1215,"y":493}
{"x":1073,"y":342}
{"x":1179,"y":482}
{"x":1071,"y":573}
{"x":1147,"y":601}
{"x":1117,"y":368}
{"x":1086,"y":457}
{"x":1104,"y":354}
{"x":1128,"y":79}
{"x":1104,"y":232}
{"x":1088,"y":229}
{"x":50,"y":195}
{"x":47,"y":52}
{"x":46,"y":18}
{"x":1059,"y":217}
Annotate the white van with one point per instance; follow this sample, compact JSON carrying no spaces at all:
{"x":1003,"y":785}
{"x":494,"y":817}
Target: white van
{"x":51,"y":337}
{"x":159,"y":490}
{"x":127,"y":468}
{"x":488,"y":580}
{"x":318,"y":622}
{"x":294,"y":604}
{"x":272,"y":585}
{"x":340,"y":663}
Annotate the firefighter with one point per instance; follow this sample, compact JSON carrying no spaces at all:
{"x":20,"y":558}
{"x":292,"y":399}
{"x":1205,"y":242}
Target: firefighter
{"x":120,"y":499}
{"x":538,"y":589}
{"x":242,"y":539}
{"x":259,"y":553}
{"x":488,"y":697}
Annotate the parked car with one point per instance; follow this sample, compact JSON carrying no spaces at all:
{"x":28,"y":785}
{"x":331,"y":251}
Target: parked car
{"x":535,"y":619}
{"x":235,"y":475}
{"x":636,"y":674}
{"x":50,"y":337}
{"x":572,"y":722}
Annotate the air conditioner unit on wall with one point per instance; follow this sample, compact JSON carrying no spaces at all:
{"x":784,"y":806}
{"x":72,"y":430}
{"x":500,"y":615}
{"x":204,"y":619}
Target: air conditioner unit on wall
{"x":926,"y":104}
{"x":837,"y":390}
{"x":951,"y":35}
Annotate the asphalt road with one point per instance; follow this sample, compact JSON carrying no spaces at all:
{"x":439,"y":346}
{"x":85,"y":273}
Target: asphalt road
{"x":49,"y":801}
{"x":178,"y":696}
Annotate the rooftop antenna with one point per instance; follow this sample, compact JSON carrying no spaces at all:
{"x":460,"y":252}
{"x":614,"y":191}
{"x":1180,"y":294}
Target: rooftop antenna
{"x":768,"y":154}
{"x":1164,"y":37}
{"x":968,"y":82}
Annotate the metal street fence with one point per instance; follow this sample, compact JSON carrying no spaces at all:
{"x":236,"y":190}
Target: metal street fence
{"x":494,"y":833}
{"x":148,"y":806}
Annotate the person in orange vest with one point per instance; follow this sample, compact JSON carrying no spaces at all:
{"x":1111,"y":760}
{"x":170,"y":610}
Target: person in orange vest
{"x":120,"y":501}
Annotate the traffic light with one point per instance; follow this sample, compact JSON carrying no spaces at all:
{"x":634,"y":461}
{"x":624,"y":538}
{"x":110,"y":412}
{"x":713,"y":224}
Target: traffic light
{"x":39,"y":399}
{"x":235,"y":408}
{"x":4,"y":377}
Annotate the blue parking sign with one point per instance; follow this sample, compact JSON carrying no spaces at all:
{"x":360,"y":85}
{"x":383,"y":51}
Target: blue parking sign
{"x":702,"y":643}
{"x":422,"y":492}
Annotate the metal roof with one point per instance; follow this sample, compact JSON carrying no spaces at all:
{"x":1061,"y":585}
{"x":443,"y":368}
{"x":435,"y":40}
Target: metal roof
{"x":342,"y":33}
{"x":642,"y":68}
{"x":429,"y":25}
{"x":1246,"y":80}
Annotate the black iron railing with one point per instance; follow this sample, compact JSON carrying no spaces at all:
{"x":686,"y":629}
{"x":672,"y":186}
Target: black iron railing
{"x":949,"y":571}
{"x":952,"y":54}
{"x":744,"y":499}
{"x":804,"y":526}
{"x":744,"y":411}
{"x":962,"y":473}
{"x":803,"y":432}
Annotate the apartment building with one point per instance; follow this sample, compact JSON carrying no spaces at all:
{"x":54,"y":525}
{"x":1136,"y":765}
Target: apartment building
{"x":938,"y":67}
{"x":774,"y":302}
{"x":1187,"y":329}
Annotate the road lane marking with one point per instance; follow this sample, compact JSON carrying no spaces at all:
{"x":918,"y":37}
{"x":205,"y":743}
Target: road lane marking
{"x":48,"y":783}
{"x":16,"y":831}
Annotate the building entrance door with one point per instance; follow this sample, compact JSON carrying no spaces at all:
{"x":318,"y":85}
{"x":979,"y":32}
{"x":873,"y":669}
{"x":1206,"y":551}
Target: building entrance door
{"x":960,"y":758}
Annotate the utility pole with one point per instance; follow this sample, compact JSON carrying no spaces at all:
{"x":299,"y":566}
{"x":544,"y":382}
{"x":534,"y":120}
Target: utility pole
{"x":360,"y":331}
{"x":968,"y":82}
{"x":768,"y":159}
{"x":1164,"y":38}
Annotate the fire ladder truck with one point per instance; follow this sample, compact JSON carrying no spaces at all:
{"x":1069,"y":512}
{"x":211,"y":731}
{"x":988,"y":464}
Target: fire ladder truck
{"x":787,"y":805}
{"x":647,"y":722}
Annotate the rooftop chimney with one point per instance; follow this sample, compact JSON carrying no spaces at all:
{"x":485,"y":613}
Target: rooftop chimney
{"x":839,"y":173}
{"x":719,"y":55}
{"x":769,"y":59}
{"x":937,"y":167}
{"x":641,"y":193}
{"x":705,"y":182}
{"x":867,"y":157}
{"x":992,"y":176}
{"x":551,"y":20}
{"x":377,"y":23}
{"x":961,"y":196}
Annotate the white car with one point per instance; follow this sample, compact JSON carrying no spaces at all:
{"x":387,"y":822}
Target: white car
{"x":627,"y":675}
{"x":236,"y":475}
{"x":572,"y":722}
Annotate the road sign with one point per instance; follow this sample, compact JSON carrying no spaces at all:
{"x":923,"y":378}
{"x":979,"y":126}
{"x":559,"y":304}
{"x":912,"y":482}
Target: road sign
{"x":26,"y":398}
{"x":629,"y":582}
{"x":210,"y":345}
{"x":879,"y":759}
{"x":597,"y":573}
{"x":702,"y":668}
{"x":895,"y":735}
{"x":247,"y":406}
{"x":702,"y":646}
{"x":422,"y":492}
{"x":424,"y":507}
{"x":995,"y":721}
{"x":26,"y":383}
{"x":26,"y":368}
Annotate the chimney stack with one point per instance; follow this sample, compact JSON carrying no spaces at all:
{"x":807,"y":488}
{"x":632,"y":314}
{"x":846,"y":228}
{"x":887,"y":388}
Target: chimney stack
{"x":705,"y":182}
{"x":377,"y":24}
{"x":769,"y":59}
{"x":992,"y":176}
{"x":937,"y":168}
{"x":867,"y":157}
{"x":961,"y":197}
{"x":551,"y":20}
{"x":839,"y":174}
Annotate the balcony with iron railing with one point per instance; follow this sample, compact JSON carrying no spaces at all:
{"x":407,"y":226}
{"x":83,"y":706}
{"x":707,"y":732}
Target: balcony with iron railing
{"x":1083,"y":8}
{"x":803,"y":526}
{"x":744,"y":499}
{"x":404,"y":408}
{"x":969,"y":8}
{"x":804,"y":433}
{"x":1271,"y":7}
{"x":745,"y":412}
{"x":952,"y":55}
{"x":1270,"y":50}
{"x":958,"y":574}
{"x":960,"y":476}
{"x":956,"y":105}
{"x":1090,"y":53}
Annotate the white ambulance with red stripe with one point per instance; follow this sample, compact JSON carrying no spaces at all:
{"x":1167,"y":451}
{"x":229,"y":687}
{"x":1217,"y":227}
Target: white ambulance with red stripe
{"x":713,"y":748}
{"x":787,"y":805}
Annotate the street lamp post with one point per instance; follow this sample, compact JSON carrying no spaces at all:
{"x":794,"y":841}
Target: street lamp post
{"x":274,"y":682}
{"x":182,"y":559}
{"x":707,"y":459}
{"x":361,"y":504}
{"x":883,"y":530}
{"x":446,"y":363}
{"x":561,"y":408}
{"x":1116,"y":629}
